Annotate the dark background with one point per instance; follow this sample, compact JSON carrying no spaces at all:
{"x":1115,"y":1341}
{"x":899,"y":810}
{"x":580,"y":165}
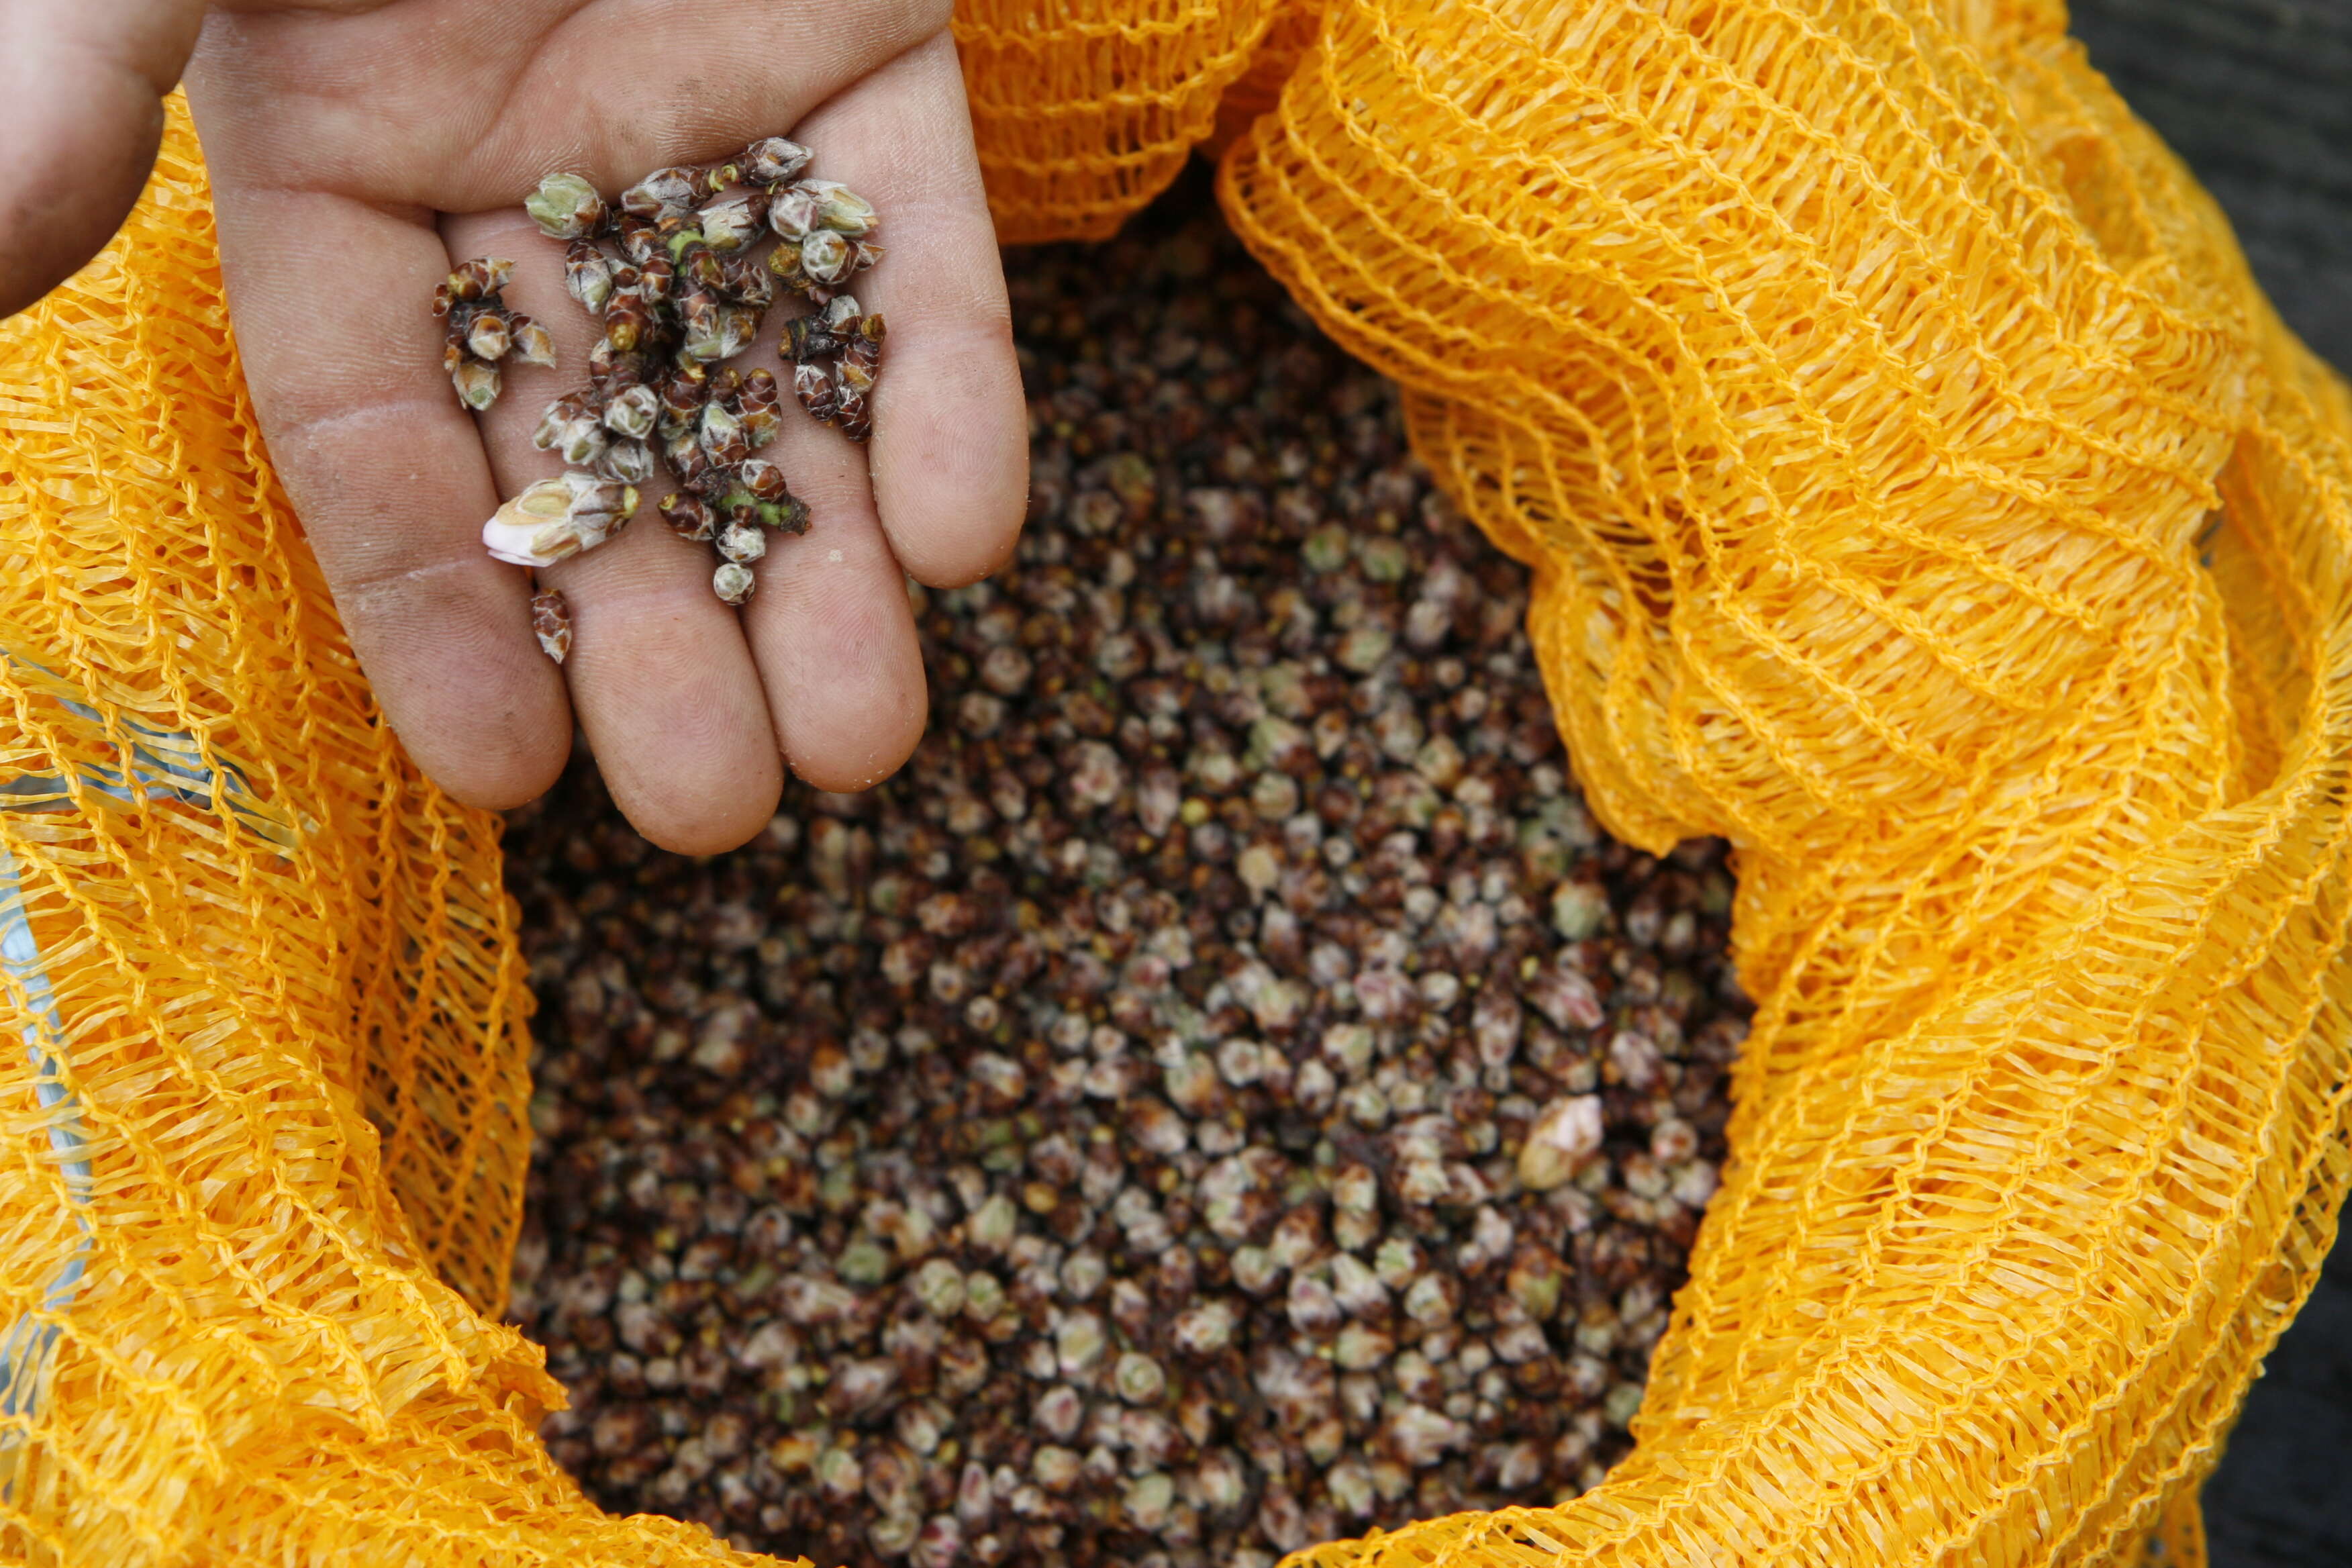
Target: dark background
{"x":2256,"y":95}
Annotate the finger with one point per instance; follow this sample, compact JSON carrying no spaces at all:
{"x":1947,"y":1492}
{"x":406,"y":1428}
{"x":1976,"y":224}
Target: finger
{"x":951,"y":448}
{"x":82,"y":113}
{"x":526,"y":86}
{"x":830,"y":625}
{"x":332,"y":303}
{"x":661,"y":680}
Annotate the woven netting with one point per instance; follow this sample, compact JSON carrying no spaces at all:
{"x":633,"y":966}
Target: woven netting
{"x":1919,"y":493}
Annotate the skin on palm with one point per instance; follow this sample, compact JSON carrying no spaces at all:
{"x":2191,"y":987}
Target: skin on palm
{"x":357,"y":154}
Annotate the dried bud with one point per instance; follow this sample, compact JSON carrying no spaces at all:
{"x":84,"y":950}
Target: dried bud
{"x":732,"y":223}
{"x":557,"y":518}
{"x":627,"y":324}
{"x":1563,"y":1138}
{"x":657,"y":278}
{"x":756,"y":408}
{"x":571,"y":429}
{"x":632,"y":411}
{"x":698,"y":266}
{"x":850,"y":416}
{"x":784,"y":262}
{"x":551,"y":620}
{"x":747,"y":281}
{"x":742,"y":543}
{"x":794,"y":215}
{"x":814,"y":388}
{"x":640,"y":240}
{"x":732,"y":583}
{"x":772,"y":160}
{"x":867,"y":253}
{"x":629,"y":461}
{"x":452,"y":356}
{"x":689,"y":517}
{"x":611,"y":369}
{"x":762,"y":478}
{"x":566,"y":206}
{"x":488,"y":336}
{"x":663,"y":192}
{"x":441,"y":301}
{"x":682,"y":450}
{"x":477,"y":383}
{"x":739,"y":329}
{"x":807,"y":340}
{"x":533,"y":345}
{"x":838,"y":207}
{"x":700,"y":310}
{"x":790,"y":515}
{"x":723,"y":435}
{"x":683,"y":393}
{"x":826,"y":257}
{"x":480,"y":277}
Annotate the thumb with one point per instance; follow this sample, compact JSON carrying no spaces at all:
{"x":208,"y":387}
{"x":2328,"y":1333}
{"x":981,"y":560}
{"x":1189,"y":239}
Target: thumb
{"x":82,"y":113}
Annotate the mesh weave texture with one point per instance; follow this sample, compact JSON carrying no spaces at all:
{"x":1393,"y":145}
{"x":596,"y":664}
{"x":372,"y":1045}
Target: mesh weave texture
{"x":1919,"y":492}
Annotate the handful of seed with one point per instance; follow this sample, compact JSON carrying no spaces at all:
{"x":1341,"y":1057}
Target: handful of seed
{"x":675,"y":273}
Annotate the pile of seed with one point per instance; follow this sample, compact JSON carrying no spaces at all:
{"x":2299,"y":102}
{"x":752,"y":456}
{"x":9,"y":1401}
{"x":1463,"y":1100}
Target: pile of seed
{"x":1225,"y":1093}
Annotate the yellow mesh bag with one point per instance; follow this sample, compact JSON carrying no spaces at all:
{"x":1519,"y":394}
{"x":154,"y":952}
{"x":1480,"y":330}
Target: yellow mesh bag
{"x":1919,"y":492}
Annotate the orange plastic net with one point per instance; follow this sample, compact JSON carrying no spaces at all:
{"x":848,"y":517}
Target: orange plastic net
{"x":1920,"y":493}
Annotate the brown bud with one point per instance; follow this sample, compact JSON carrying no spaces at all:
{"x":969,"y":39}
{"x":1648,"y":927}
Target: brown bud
{"x":657,"y":278}
{"x":550,"y":618}
{"x":663,"y":193}
{"x":640,"y":240}
{"x":627,"y":323}
{"x":487,"y":336}
{"x":772,"y":160}
{"x":762,"y":478}
{"x":476,"y":383}
{"x":533,"y":345}
{"x":480,"y":277}
{"x":689,"y":517}
{"x":814,"y":388}
{"x":747,"y":281}
{"x":742,"y":543}
{"x":588,"y":275}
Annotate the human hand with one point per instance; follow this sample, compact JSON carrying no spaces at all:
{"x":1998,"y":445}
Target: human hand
{"x":360,"y":148}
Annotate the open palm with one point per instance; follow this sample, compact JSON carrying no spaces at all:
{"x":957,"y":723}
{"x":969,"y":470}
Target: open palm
{"x":358,"y":149}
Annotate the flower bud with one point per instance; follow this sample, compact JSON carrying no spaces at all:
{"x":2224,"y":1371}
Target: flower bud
{"x":794,"y":215}
{"x":854,"y":418}
{"x":658,"y":278}
{"x":756,"y":409}
{"x":571,"y":429}
{"x":739,"y":329}
{"x":732,"y":583}
{"x":762,"y":478}
{"x":640,"y":240}
{"x":609,"y":368}
{"x":869,"y":252}
{"x":476,"y":383}
{"x":557,"y":518}
{"x":826,"y":257}
{"x":480,"y":277}
{"x":488,"y":336}
{"x":687,"y":459}
{"x":840,"y":313}
{"x":663,"y":192}
{"x":551,"y":620}
{"x":772,"y":160}
{"x":629,"y":461}
{"x":532,"y":343}
{"x":704,"y":323}
{"x":689,"y":517}
{"x":742,"y":543}
{"x":723,"y":435}
{"x":814,"y":388}
{"x":747,"y":281}
{"x":732,"y":222}
{"x":627,"y":323}
{"x":452,"y":356}
{"x":683,"y":390}
{"x":838,"y":207}
{"x":631,"y":412}
{"x":566,"y":206}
